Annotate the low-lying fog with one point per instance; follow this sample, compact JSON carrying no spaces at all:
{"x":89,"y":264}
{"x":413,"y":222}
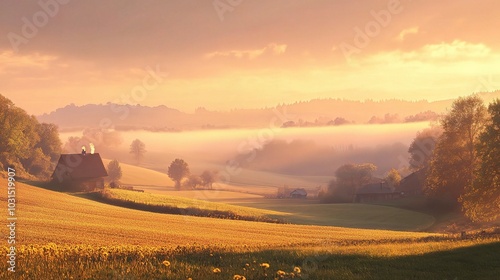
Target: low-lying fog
{"x":296,"y":151}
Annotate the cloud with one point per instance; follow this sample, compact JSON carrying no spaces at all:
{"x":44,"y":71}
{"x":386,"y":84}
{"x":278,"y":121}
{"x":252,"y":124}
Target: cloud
{"x":10,"y":61}
{"x":272,"y":48}
{"x":408,"y":31}
{"x":456,"y":51}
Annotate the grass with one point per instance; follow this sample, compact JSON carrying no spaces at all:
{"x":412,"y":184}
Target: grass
{"x":138,"y":176}
{"x":459,"y":260}
{"x":182,"y":202}
{"x":47,"y":216}
{"x":182,"y":206}
{"x":346,"y":215}
{"x":60,"y":236}
{"x":200,"y":194}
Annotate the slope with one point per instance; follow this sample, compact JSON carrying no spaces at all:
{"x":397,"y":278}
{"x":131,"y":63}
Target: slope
{"x":46,"y":216}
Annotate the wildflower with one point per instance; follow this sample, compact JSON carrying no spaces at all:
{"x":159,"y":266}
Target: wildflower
{"x":280,"y":273}
{"x":216,"y":270}
{"x":264,"y":265}
{"x":239,"y":277}
{"x":296,"y":270}
{"x":166,"y":263}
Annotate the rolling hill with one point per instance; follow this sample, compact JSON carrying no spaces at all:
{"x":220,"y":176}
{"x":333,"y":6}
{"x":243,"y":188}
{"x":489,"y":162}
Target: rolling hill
{"x":46,"y":216}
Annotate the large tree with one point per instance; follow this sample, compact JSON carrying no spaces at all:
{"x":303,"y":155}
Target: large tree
{"x":350,"y":177}
{"x":50,"y":143}
{"x":138,"y":149}
{"x":481,"y":200}
{"x":455,"y":158}
{"x":422,"y":147}
{"x":114,"y":171}
{"x":177,"y":171}
{"x":24,"y":143}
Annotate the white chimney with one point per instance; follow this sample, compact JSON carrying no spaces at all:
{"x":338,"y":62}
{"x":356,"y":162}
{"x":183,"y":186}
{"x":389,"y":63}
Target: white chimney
{"x":92,"y":148}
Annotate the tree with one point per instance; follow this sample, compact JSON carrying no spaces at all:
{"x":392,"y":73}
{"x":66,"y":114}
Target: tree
{"x":193,"y":181}
{"x":177,"y":171}
{"x":481,"y":200}
{"x":208,"y":177}
{"x":50,"y":143}
{"x":138,"y":149}
{"x":338,"y":193}
{"x":455,"y":159}
{"x":114,"y":171}
{"x":422,"y":147}
{"x":393,"y":178}
{"x":352,"y":176}
{"x":25,"y":143}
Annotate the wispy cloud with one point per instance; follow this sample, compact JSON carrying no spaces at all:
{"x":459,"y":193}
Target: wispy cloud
{"x":272,"y":48}
{"x":408,"y":31}
{"x":455,"y":51}
{"x":10,"y":60}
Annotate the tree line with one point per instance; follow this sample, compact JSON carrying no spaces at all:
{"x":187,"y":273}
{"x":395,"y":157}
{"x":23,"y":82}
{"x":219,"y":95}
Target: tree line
{"x":464,"y":167}
{"x":459,"y":158}
{"x":29,"y":146}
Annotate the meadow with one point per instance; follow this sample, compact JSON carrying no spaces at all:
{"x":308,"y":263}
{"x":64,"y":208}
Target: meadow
{"x":307,"y":212}
{"x":62,"y":236}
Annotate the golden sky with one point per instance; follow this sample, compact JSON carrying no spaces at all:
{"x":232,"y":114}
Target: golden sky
{"x":227,"y":54}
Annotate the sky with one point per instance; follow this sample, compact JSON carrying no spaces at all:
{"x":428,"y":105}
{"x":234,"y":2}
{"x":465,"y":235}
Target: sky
{"x":224,"y":54}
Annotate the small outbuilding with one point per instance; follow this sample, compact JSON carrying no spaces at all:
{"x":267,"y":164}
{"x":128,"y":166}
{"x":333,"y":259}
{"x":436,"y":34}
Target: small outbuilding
{"x":298,"y":193}
{"x":79,"y":172}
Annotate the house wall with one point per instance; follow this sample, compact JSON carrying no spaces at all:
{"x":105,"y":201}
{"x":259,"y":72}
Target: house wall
{"x":82,"y":185}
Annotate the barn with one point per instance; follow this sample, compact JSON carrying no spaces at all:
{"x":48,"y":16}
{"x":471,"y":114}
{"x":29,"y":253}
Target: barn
{"x":298,"y":193}
{"x":79,"y":172}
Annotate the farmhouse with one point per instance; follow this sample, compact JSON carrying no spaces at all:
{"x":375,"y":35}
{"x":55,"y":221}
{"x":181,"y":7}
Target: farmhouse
{"x":378,"y":189}
{"x":298,"y":193}
{"x":79,"y":172}
{"x":413,"y":184}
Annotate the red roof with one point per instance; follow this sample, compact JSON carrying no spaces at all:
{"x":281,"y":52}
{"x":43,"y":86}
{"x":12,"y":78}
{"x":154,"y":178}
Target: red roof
{"x":79,"y":166}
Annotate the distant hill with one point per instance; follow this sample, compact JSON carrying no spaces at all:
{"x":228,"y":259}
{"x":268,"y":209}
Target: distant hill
{"x":316,"y":112}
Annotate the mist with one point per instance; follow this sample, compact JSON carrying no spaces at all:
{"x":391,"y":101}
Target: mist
{"x":298,"y":151}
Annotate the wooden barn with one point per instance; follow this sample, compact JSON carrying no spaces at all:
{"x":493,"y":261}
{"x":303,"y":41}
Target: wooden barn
{"x":79,"y":172}
{"x":298,"y":193}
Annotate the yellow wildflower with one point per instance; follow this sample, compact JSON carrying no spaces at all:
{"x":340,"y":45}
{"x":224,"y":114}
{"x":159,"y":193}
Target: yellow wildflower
{"x":216,"y":270}
{"x":264,"y":265}
{"x":296,"y":270}
{"x":166,"y":263}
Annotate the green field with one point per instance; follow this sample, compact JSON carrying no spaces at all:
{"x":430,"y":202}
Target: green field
{"x":346,"y":215}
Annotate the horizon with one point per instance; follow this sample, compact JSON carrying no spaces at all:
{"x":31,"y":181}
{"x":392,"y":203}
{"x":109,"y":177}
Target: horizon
{"x":248,"y":55}
{"x":253,"y":108}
